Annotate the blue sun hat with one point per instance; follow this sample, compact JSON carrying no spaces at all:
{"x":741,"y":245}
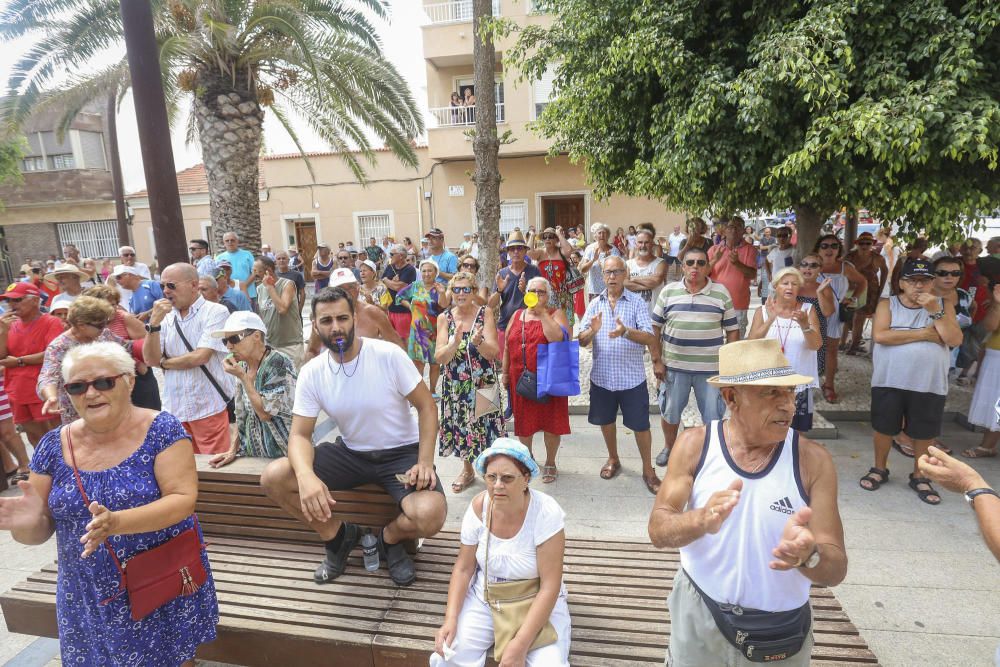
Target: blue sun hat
{"x":507,"y":447}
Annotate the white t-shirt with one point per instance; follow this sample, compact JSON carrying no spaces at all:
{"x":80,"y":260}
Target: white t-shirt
{"x":514,"y":558}
{"x":781,"y":259}
{"x":370,"y":406}
{"x":676,"y":240}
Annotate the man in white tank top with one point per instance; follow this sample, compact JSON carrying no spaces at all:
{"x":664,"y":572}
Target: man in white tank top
{"x":752,"y":505}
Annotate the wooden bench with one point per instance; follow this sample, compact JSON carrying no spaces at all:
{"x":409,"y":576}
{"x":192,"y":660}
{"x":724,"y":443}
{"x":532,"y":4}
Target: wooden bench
{"x":272,"y":613}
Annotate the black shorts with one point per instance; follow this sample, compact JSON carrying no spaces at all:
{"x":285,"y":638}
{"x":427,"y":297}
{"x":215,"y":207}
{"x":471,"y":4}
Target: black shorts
{"x":342,"y":468}
{"x":922,"y":412}
{"x":633,"y":403}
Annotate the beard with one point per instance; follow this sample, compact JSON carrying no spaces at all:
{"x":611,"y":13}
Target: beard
{"x":330,"y":342}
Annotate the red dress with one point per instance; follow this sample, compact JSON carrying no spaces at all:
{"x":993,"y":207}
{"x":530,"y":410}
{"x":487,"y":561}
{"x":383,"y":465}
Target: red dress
{"x":530,"y":417}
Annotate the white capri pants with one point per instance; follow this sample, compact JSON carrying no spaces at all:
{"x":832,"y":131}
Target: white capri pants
{"x":474,"y":637}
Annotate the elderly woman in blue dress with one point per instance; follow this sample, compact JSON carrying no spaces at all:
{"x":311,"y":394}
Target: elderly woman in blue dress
{"x":136,"y":466}
{"x":522,"y":532}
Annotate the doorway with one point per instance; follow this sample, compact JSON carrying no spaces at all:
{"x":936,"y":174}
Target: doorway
{"x":305,"y":241}
{"x":563,"y":211}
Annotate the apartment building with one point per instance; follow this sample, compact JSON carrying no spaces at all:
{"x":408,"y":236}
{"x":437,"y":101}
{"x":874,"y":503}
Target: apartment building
{"x":66,"y":195}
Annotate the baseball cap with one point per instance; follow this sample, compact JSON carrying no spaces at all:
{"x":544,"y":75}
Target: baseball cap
{"x":322,"y":245}
{"x":224,"y":264}
{"x":371,"y":265}
{"x":342,"y":277}
{"x":434,"y":232}
{"x":917,"y":268}
{"x":241,"y":320}
{"x":122,"y":269}
{"x":20,"y":290}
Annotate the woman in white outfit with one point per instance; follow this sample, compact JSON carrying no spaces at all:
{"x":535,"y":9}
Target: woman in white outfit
{"x":526,"y":541}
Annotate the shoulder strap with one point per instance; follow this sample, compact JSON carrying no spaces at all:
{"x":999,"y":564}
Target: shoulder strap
{"x":218,"y":388}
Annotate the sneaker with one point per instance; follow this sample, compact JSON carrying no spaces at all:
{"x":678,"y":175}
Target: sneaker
{"x":336,"y":561}
{"x":661,"y":458}
{"x":401,"y":568}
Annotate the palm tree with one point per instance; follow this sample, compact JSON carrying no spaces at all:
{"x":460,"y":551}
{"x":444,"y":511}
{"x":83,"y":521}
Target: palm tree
{"x":233,"y":59}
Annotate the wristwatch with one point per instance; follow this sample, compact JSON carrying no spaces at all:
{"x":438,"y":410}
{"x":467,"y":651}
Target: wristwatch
{"x":20,"y":361}
{"x":970,"y":496}
{"x":938,"y":315}
{"x":812,"y":561}
{"x":152,"y":329}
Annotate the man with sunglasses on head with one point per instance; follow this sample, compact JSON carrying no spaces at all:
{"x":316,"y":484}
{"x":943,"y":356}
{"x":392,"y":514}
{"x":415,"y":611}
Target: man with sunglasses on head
{"x":200,"y":257}
{"x":144,"y":292}
{"x":197,"y":390}
{"x":692,"y":319}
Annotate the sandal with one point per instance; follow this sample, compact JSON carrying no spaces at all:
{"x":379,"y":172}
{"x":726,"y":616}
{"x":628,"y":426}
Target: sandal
{"x":979,"y":453}
{"x":19,"y":476}
{"x":907,"y":452}
{"x":830,"y":395}
{"x":549,"y":474}
{"x":652,"y":483}
{"x":875,"y":482}
{"x":462,"y":482}
{"x":610,"y":469}
{"x":924,"y":494}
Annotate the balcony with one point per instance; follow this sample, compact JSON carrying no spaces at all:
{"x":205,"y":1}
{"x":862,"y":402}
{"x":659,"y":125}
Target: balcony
{"x":454,"y":11}
{"x":458,"y":116}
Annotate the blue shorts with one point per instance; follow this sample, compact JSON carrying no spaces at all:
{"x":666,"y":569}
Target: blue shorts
{"x":675,"y":391}
{"x":633,"y":404}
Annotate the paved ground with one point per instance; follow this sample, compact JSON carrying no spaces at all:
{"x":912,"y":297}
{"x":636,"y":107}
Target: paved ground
{"x":921,"y":586}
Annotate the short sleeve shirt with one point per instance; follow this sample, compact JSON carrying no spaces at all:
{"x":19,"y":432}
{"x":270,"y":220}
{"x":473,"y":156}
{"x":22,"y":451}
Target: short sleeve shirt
{"x":694,"y":326}
{"x":734,"y":280}
{"x":618,"y":362}
{"x":23,"y":340}
{"x":407,"y":275}
{"x":512,"y":298}
{"x":447,"y":263}
{"x":145,"y":296}
{"x":595,"y":277}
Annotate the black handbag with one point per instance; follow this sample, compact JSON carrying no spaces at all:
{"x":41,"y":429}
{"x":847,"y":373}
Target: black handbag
{"x":761,"y":636}
{"x":527,"y":384}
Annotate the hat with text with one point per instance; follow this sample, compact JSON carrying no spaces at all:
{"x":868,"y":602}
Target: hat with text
{"x":341,"y":277}
{"x":758,"y":362}
{"x":20,"y":290}
{"x":122,"y":269}
{"x":918,"y":267}
{"x":434,"y":232}
{"x":241,"y":320}
{"x":516,"y":239}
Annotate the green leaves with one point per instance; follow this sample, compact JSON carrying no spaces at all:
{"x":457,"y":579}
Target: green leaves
{"x":894,"y":106}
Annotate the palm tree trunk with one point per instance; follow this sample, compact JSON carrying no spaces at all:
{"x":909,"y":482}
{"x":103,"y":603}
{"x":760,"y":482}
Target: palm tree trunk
{"x":486,"y":144}
{"x":230,"y":128}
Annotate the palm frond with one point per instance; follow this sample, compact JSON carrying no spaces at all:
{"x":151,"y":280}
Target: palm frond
{"x":68,"y":101}
{"x":279,"y":112}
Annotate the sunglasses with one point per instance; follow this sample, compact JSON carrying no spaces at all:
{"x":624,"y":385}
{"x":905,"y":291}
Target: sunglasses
{"x":14,"y":302}
{"x":864,"y":243}
{"x":827,"y":246}
{"x":236,"y":338}
{"x":170,"y":286}
{"x":810,"y":265}
{"x":461,"y":290}
{"x":100,"y":384}
{"x":695,"y":262}
{"x":196,"y":248}
{"x":343,"y":257}
{"x":549,"y":237}
{"x":944,"y":274}
{"x":468,"y":266}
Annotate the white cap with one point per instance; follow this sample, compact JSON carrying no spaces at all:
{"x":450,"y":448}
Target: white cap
{"x":371,"y":265}
{"x":122,"y":269}
{"x":61,"y":301}
{"x":342,"y":277}
{"x":241,"y":320}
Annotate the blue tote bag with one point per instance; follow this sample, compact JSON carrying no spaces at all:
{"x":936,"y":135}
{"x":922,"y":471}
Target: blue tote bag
{"x":559,"y":367}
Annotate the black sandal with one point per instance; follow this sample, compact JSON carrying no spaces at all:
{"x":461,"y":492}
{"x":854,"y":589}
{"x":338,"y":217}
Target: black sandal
{"x":899,"y":448}
{"x":875,"y":481}
{"x":924,"y":494}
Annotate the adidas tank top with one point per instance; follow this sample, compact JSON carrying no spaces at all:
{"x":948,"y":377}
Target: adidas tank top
{"x":732,"y":565}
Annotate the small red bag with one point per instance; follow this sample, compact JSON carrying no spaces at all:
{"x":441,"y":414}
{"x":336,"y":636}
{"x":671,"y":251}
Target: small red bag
{"x":159,"y":575}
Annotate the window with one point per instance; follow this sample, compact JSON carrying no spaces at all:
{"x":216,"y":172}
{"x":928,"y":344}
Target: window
{"x":513,"y":213}
{"x":64,"y":161}
{"x":372,"y":223}
{"x":92,"y":149}
{"x":98,"y":238}
{"x":33,"y":164}
{"x":541,"y":90}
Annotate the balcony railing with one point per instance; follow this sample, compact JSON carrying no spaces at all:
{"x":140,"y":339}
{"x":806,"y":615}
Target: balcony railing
{"x":455,"y":11}
{"x":459,"y":116}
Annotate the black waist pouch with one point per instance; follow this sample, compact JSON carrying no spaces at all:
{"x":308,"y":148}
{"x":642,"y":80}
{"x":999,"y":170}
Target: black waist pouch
{"x":761,"y":636}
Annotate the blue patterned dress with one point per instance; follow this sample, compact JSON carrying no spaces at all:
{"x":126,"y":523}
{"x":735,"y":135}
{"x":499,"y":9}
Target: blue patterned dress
{"x":94,"y":634}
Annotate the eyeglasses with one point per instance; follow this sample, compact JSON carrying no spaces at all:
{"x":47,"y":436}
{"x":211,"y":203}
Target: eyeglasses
{"x":128,"y":254}
{"x":468,"y":265}
{"x":343,"y":257}
{"x":196,"y":248}
{"x":170,"y":286}
{"x":507,"y":480}
{"x":695,"y":262}
{"x":549,"y":237}
{"x":614,"y":272}
{"x":827,"y":246}
{"x":461,"y":290}
{"x":236,"y":338}
{"x":540,"y":290}
{"x":100,"y":384}
{"x":944,"y":274}
{"x":14,"y":302}
{"x":810,"y":265}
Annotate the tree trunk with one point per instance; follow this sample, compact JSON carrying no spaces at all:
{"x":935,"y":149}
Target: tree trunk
{"x":117,"y":188}
{"x":808,"y":223}
{"x":230,"y":130}
{"x":486,"y":145}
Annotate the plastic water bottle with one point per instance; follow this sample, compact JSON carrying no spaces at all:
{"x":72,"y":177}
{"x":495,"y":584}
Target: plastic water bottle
{"x":369,"y":549}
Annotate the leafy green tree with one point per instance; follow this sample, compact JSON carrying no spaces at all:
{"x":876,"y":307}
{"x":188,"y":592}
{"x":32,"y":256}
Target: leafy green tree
{"x":233,"y":59}
{"x":733,"y":104}
{"x":11,"y":152}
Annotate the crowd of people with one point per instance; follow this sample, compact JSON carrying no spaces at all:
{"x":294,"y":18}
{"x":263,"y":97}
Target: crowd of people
{"x":239,"y":378}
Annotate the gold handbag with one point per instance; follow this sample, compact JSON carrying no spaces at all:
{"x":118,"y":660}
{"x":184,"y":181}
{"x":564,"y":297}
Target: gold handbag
{"x":509,"y":604}
{"x":487,"y":397}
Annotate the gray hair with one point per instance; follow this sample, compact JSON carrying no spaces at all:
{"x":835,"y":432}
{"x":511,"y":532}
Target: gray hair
{"x":124,"y":248}
{"x":540,"y":281}
{"x":598,"y":226}
{"x":111,"y":355}
{"x":616,"y":258}
{"x":397,"y":249}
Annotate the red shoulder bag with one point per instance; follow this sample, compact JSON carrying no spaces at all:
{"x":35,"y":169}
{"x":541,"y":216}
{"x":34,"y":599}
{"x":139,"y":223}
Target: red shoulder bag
{"x":157,"y":576}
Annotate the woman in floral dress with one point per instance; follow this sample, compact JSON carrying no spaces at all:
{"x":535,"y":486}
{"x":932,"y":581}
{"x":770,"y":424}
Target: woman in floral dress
{"x":421,"y":297}
{"x":466,"y":348}
{"x":552,"y":262}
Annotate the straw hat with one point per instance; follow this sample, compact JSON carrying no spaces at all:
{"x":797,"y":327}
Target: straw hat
{"x":516,"y":238}
{"x":755,"y":363}
{"x":67,"y":270}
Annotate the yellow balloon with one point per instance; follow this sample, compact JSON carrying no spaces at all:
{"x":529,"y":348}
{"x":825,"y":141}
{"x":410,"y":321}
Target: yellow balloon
{"x":531,"y":299}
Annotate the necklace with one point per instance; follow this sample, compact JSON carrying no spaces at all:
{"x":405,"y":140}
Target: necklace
{"x":732,"y":454}
{"x":342,"y":367}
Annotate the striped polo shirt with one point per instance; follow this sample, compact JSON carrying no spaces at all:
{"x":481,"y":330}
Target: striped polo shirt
{"x":694,"y":325}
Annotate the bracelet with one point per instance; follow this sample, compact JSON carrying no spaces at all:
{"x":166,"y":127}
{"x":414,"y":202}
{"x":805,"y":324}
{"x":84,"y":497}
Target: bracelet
{"x":807,"y":330}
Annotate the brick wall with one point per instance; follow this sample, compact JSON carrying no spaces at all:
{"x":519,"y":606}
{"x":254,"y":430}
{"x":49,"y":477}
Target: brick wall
{"x":36,"y":241}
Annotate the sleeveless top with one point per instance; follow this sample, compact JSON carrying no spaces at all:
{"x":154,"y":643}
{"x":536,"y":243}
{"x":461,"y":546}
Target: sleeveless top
{"x":920,"y":366}
{"x":636,"y":271}
{"x":732,"y":566}
{"x":323,"y":282}
{"x":789,"y":335}
{"x":282,"y":330}
{"x":839,"y":284}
